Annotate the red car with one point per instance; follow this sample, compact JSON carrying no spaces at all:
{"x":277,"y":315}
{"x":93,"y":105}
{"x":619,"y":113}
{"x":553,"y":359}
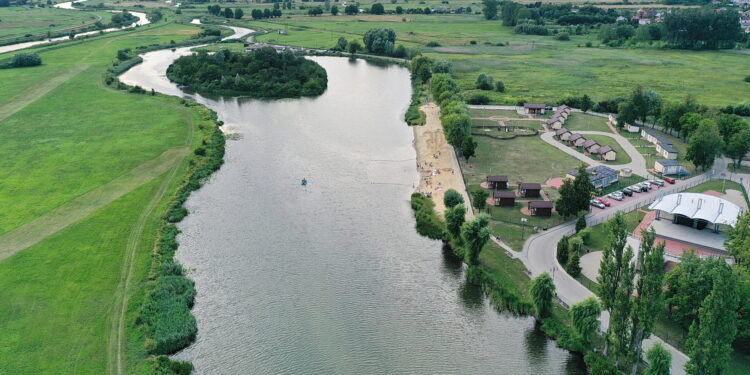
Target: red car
{"x":603,"y":201}
{"x":670,"y":180}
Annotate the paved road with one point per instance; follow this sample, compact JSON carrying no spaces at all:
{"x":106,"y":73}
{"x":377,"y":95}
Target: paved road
{"x":538,"y":256}
{"x":637,"y":163}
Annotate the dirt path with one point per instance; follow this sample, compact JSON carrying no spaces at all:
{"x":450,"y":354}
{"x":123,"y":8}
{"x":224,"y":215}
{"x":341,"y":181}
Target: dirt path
{"x":437,"y":164}
{"x":82,"y":206}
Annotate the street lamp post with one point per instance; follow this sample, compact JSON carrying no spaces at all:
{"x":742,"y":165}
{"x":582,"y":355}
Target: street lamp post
{"x":523,"y":226}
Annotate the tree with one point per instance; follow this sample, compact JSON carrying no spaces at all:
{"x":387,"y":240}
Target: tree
{"x":421,"y":68}
{"x":710,"y":339}
{"x":484,"y":82}
{"x":354,"y":47}
{"x":737,"y":146}
{"x":738,"y":241}
{"x":454,"y":219}
{"x":586,"y":103}
{"x":238,"y":13}
{"x":228,"y":13}
{"x":441,"y":65}
{"x":377,"y":8}
{"x":468,"y":147}
{"x":25,"y":59}
{"x":510,"y":13}
{"x":574,"y":263}
{"x":686,"y":29}
{"x":475,"y":235}
{"x":499,"y":86}
{"x":490,"y":9}
{"x":276,"y":13}
{"x":267,"y":12}
{"x":351,"y":10}
{"x":314,"y":11}
{"x":334,"y":10}
{"x":659,"y":360}
{"x":479,"y":198}
{"x":585,"y":318}
{"x":341,"y":44}
{"x":452,"y":198}
{"x":575,"y":195}
{"x":542,"y":290}
{"x":616,"y":284}
{"x":687,"y":287}
{"x":399,"y":10}
{"x":705,"y":145}
{"x":581,"y":222}
{"x":256,"y":14}
{"x":729,"y":125}
{"x":648,"y":291}
{"x":562,"y":250}
{"x":380,"y":40}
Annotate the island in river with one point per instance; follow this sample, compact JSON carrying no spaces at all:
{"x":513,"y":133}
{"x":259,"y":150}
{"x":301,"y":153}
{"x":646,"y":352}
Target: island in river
{"x":263,"y":73}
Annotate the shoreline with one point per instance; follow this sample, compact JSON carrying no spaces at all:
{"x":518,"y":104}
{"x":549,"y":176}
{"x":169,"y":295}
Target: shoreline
{"x":437,"y":163}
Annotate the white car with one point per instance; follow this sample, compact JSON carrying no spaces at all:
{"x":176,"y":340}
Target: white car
{"x":616,"y":196}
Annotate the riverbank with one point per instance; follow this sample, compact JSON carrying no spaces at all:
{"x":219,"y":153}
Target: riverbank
{"x":437,"y":163}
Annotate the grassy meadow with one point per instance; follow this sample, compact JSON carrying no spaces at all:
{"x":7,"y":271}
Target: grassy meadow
{"x":534,"y":68}
{"x":66,"y":135}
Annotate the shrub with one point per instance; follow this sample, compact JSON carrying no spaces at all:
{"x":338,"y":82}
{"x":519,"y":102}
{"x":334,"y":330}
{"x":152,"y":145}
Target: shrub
{"x":747,"y":79}
{"x":562,"y":36}
{"x":441,"y":65}
{"x":26,"y":59}
{"x":478,"y":99}
{"x":588,"y":44}
{"x":499,"y":86}
{"x":452,"y":198}
{"x":428,"y":222}
{"x":472,"y":42}
{"x":484,"y":82}
{"x":530,"y":29}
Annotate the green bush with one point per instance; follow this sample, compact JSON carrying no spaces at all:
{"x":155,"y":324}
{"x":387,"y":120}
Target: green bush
{"x":26,"y":59}
{"x":747,"y":79}
{"x":484,"y":82}
{"x":478,"y":99}
{"x":452,"y":198}
{"x":162,"y":365}
{"x":565,"y":336}
{"x":499,"y":86}
{"x":599,"y":365}
{"x":562,"y":36}
{"x":428,"y":222}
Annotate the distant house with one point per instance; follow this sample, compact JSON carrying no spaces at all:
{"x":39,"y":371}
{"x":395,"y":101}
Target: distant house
{"x":504,"y":198}
{"x":530,"y":190}
{"x":540,"y":208}
{"x":555,"y":122}
{"x":591,"y":146}
{"x":669,"y":167}
{"x":576,"y":140}
{"x":600,"y":176}
{"x":497,"y":182}
{"x":534,"y":108}
{"x":562,"y":134}
{"x":607,"y":153}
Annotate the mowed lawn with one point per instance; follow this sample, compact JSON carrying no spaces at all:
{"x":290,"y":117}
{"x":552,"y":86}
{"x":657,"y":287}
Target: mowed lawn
{"x":580,"y":121}
{"x":57,"y":296}
{"x":535,"y":68}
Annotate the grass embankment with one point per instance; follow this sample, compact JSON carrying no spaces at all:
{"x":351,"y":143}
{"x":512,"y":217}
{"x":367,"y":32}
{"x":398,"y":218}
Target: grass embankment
{"x":62,"y":140}
{"x":21,"y":23}
{"x":534,"y":68}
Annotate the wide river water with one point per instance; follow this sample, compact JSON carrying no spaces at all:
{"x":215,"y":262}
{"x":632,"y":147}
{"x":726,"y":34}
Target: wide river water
{"x":332,"y":278}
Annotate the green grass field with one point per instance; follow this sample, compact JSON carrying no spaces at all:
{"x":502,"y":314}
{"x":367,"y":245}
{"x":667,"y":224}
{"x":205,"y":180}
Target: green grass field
{"x":535,"y":68}
{"x":66,"y":135}
{"x":580,"y":121}
{"x":19,"y":22}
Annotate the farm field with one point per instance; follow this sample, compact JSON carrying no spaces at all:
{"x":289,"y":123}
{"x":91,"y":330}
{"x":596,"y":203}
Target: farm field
{"x":534,"y":68}
{"x":19,"y":22}
{"x":67,"y":135}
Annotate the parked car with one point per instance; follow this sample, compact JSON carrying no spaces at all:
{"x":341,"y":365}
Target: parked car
{"x":627,"y":192}
{"x":636,"y":188}
{"x":598,"y":204}
{"x":657,"y":182}
{"x":617,"y":195}
{"x":646,"y":185}
{"x":603,"y":201}
{"x":670,"y":180}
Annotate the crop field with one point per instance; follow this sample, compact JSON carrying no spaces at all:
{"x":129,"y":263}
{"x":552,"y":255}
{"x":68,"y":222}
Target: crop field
{"x":76,"y":148}
{"x":534,"y":68}
{"x":17,"y":22}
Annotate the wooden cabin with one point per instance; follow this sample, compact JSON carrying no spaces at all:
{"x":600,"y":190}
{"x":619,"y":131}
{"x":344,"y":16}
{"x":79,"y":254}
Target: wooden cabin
{"x":540,"y":208}
{"x":530,"y":189}
{"x":497,"y":182}
{"x":504,"y":198}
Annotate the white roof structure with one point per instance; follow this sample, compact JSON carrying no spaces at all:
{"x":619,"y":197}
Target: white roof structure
{"x":699,"y":206}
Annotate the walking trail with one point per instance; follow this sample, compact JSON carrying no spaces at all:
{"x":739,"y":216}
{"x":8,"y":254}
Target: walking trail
{"x":436,"y":161}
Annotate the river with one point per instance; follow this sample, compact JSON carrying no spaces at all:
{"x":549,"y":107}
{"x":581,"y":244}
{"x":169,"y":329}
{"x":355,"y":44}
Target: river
{"x":332,"y":278}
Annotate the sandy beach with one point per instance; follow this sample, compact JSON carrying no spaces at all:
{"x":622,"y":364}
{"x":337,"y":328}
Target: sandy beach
{"x":436,"y":161}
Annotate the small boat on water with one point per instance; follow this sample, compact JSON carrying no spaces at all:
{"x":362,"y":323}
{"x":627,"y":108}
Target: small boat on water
{"x":303,"y":182}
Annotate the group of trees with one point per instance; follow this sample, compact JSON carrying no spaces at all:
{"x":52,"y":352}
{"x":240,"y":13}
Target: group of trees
{"x":258,"y":14}
{"x":454,"y":114}
{"x":381,"y":41}
{"x":702,"y":29}
{"x":238,"y":13}
{"x":263,"y":73}
{"x":122,"y":19}
{"x":486,"y":82}
{"x":469,"y":237}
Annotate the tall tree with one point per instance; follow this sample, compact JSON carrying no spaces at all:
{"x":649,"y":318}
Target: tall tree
{"x":490,"y":9}
{"x":586,"y":103}
{"x":738,"y":146}
{"x":454,"y":219}
{"x":228,"y":13}
{"x":710,"y":339}
{"x":615,"y":284}
{"x":585,"y":317}
{"x":575,"y":195}
{"x":562,"y":250}
{"x":705,"y":145}
{"x":738,"y":241}
{"x":238,"y":13}
{"x":687,"y":286}
{"x":479,"y":199}
{"x":542,"y":290}
{"x":468,"y":147}
{"x":648,"y":291}
{"x":659,"y":360}
{"x":475,"y":234}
